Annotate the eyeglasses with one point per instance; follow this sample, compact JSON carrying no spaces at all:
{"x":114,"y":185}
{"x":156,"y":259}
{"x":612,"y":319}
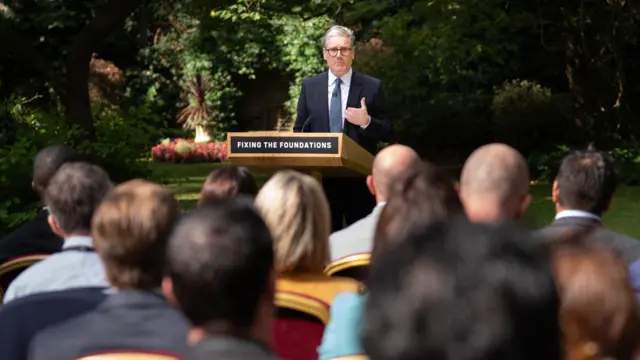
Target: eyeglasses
{"x":343,"y":51}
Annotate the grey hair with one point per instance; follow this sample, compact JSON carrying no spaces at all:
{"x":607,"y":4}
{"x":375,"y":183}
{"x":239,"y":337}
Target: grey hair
{"x":338,"y":30}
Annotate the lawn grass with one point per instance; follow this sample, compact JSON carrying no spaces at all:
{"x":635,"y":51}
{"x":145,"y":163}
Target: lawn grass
{"x":186,"y":180}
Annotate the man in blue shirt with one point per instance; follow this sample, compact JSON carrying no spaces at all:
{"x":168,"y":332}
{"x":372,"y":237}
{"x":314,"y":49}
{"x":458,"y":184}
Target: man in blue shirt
{"x":72,"y":196}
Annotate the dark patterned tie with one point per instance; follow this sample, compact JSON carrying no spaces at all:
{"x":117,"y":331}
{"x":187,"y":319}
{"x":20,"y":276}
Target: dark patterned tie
{"x":335,"y":114}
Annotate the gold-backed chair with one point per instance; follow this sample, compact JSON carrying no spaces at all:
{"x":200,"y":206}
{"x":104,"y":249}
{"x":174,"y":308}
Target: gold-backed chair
{"x":12,"y":268}
{"x":354,"y":266}
{"x":129,"y":356}
{"x":316,"y":286}
{"x":304,"y":304}
{"x":298,"y":325}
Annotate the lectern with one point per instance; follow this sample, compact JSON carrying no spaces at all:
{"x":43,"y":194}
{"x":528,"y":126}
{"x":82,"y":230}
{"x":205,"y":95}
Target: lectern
{"x":319,"y":154}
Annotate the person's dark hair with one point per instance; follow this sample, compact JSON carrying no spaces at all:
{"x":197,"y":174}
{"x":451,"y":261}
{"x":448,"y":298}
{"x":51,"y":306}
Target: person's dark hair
{"x":459,"y":290}
{"x":48,"y":161}
{"x":227,"y":182}
{"x":425,"y":194}
{"x":220,"y":260}
{"x":586,"y":181}
{"x":74,"y":193}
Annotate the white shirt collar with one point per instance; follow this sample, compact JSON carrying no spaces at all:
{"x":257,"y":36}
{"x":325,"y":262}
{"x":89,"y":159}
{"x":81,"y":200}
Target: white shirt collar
{"x":576,"y":213}
{"x":346,"y":78}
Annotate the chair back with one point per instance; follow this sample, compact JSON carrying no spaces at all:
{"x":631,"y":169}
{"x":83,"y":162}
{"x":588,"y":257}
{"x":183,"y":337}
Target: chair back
{"x":299,"y":325}
{"x":129,"y":356}
{"x":12,"y":268}
{"x":21,"y":319}
{"x":354,"y":266}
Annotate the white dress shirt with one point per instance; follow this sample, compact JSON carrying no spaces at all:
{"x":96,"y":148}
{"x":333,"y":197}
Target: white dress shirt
{"x":344,"y":89}
{"x":576,"y":213}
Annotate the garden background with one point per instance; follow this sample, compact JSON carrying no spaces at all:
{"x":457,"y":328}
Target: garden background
{"x":132,"y":82}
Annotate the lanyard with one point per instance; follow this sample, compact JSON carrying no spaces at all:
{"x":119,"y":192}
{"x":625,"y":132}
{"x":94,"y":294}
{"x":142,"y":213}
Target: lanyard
{"x":79,"y":248}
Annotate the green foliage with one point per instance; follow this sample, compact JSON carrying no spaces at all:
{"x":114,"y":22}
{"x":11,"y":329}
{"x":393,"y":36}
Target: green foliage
{"x":544,"y":164}
{"x":439,"y":62}
{"x":234,"y":42}
{"x":627,"y":161}
{"x":529,"y":116}
{"x":300,"y":49}
{"x":123,"y":140}
{"x":30,"y":131}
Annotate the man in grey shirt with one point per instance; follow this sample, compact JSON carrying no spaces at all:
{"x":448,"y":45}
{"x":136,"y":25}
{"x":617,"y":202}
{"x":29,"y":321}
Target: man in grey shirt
{"x":72,"y":196}
{"x":390,"y":163}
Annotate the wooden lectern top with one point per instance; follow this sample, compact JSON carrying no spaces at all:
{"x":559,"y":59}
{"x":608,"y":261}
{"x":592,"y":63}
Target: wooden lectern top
{"x":331,"y":154}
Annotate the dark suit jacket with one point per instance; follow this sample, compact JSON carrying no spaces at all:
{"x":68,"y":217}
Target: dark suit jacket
{"x":628,"y":249}
{"x":313,"y":109}
{"x":229,"y":348}
{"x":34,"y":237}
{"x":127,"y":320}
{"x":23,"y":318}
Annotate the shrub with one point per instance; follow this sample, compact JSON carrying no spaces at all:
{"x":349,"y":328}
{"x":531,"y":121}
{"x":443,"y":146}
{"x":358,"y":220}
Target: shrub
{"x":186,"y":151}
{"x":24,"y":132}
{"x":529,"y":116}
{"x":544,"y":165}
{"x":121,"y":143}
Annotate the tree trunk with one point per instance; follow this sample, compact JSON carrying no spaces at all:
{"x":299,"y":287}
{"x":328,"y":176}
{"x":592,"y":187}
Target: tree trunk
{"x":76,"y":100}
{"x":75,"y":87}
{"x":76,"y":93}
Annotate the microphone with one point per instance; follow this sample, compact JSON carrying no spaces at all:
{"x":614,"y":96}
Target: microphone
{"x":305,"y":124}
{"x":283,"y":123}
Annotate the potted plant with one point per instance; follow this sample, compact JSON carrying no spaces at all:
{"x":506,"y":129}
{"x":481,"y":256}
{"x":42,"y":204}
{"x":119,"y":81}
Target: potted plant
{"x":197,"y":114}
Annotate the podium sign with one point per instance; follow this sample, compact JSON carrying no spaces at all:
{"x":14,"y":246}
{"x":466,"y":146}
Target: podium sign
{"x":259,"y":145}
{"x":325,"y":154}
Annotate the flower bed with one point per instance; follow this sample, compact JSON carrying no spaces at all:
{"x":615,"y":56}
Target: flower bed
{"x":186,"y":151}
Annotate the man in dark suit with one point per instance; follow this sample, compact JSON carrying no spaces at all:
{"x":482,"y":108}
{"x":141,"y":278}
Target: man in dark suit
{"x":130,"y":232}
{"x":220,"y":272}
{"x":36,"y":236}
{"x":344,"y":101}
{"x":582,"y":192}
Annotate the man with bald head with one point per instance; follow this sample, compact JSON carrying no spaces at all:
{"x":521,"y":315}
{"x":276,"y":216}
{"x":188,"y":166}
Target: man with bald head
{"x":494,"y":184}
{"x":390,"y":164}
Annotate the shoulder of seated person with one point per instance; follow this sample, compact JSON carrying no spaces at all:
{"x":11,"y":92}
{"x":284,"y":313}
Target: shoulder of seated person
{"x":347,"y":300}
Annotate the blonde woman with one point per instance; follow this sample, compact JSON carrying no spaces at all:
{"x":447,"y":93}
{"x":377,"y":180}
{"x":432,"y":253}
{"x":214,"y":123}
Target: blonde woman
{"x":297,"y":212}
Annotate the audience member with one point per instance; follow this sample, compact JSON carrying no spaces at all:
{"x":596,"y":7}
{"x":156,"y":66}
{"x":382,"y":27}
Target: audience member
{"x":227,"y":182}
{"x":423,"y":195}
{"x":295,"y":208}
{"x":36,"y":236}
{"x":462,"y":291}
{"x":494,"y":184}
{"x":131,"y":229}
{"x":582,"y":193}
{"x":22,"y":319}
{"x":389,"y":165}
{"x":72,"y":196}
{"x":220,"y":272}
{"x":598,"y":313}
